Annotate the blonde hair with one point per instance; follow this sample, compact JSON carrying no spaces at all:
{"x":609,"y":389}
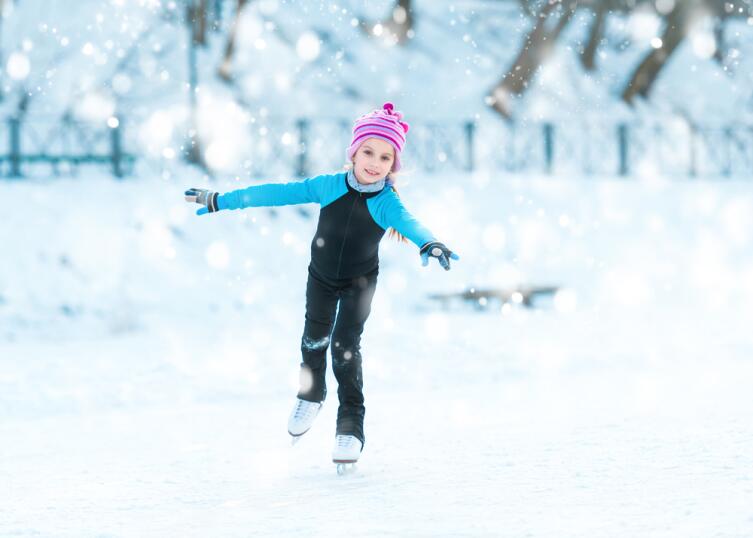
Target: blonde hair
{"x":392,"y":233}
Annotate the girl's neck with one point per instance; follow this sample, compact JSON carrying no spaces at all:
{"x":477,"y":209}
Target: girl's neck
{"x":364,"y":187}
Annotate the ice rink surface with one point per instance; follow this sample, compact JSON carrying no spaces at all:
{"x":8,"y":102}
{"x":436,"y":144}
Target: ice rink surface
{"x":148,"y":363}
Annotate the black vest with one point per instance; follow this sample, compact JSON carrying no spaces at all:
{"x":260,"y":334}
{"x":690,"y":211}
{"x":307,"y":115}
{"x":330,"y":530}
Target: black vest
{"x":346,"y":243}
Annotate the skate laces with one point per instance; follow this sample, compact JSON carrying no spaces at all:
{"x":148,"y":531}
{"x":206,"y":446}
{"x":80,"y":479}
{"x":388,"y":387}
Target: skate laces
{"x":345,"y":441}
{"x":304,"y":409}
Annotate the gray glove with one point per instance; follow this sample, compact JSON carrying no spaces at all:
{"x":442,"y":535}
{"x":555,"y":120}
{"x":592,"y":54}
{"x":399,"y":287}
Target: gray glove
{"x":435,"y":249}
{"x":204,"y":197}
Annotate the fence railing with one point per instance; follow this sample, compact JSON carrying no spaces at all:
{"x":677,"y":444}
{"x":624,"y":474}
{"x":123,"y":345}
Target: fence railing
{"x":62,"y":145}
{"x":304,"y":146}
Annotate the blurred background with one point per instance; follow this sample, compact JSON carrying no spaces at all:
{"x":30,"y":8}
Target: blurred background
{"x":589,"y":161}
{"x":257,"y":88}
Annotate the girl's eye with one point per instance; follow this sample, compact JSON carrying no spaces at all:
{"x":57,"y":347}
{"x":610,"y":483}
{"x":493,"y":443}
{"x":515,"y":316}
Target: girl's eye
{"x":385,"y":158}
{"x":367,"y":152}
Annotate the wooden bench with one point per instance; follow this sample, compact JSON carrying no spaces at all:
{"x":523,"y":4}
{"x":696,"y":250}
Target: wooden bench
{"x":483,"y":298}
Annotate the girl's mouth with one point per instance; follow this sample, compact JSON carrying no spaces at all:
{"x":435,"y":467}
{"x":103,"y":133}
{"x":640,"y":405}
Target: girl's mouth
{"x":369,"y":172}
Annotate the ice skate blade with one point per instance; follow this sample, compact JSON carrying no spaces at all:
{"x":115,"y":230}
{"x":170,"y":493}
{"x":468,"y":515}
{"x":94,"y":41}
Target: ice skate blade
{"x":345,"y":467}
{"x":294,"y":439}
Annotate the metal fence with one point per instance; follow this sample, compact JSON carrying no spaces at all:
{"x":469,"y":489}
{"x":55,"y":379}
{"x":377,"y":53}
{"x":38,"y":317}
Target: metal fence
{"x":290,"y":147}
{"x":61,"y":146}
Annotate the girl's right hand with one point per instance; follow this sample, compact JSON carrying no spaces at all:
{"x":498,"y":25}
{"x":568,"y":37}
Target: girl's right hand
{"x":204,"y":197}
{"x":435,"y":249}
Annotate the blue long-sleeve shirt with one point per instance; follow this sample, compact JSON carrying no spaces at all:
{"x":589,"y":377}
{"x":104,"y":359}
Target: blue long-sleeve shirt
{"x":351,"y":223}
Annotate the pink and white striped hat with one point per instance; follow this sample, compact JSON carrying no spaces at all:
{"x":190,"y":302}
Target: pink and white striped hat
{"x":384,"y":124}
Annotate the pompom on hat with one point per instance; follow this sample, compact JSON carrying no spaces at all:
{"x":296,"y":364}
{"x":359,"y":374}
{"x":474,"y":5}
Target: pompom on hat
{"x":385,"y":124}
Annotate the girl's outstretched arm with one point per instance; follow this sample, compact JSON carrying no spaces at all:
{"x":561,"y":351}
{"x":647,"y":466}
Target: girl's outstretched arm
{"x":269,"y":194}
{"x":389,"y":211}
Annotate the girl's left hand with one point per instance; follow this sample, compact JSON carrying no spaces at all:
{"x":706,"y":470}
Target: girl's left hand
{"x":204,"y":197}
{"x":437,"y":250}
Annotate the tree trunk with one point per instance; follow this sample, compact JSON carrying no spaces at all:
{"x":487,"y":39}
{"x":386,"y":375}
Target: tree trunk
{"x":2,"y":63}
{"x":225,"y":71}
{"x":588,"y":58}
{"x":537,"y":47}
{"x":401,"y":22}
{"x":194,"y":153}
{"x":674,"y":32}
{"x":398,"y":27}
{"x":719,"y":39}
{"x":198,"y":13}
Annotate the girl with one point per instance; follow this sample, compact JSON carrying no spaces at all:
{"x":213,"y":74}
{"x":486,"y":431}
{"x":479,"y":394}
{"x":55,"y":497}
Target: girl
{"x":357,"y":207}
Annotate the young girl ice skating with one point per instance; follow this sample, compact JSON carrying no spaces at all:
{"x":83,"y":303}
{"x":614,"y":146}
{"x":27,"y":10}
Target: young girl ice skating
{"x":357,"y":207}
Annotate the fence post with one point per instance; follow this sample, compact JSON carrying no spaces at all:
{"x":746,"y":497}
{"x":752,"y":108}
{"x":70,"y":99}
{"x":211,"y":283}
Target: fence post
{"x":302,"y":125}
{"x":548,"y":147}
{"x":15,"y":146}
{"x":345,"y":133}
{"x":117,"y":150}
{"x":217,"y":15}
{"x":727,"y":170}
{"x":693,"y":150}
{"x":622,"y":148}
{"x":470,"y":128}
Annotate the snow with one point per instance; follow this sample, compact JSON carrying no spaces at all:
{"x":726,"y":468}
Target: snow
{"x":149,"y":359}
{"x":18,"y":66}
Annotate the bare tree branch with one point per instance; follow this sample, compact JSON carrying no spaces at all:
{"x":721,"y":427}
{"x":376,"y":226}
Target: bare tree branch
{"x":595,"y":36}
{"x":198,"y":15}
{"x":722,"y":11}
{"x":397,"y":28}
{"x":677,"y":22}
{"x":225,"y":71}
{"x":536,"y":48}
{"x":2,"y":71}
{"x":529,"y":8}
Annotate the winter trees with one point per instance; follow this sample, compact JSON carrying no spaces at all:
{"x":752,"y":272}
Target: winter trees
{"x":549,"y":21}
{"x":679,"y":18}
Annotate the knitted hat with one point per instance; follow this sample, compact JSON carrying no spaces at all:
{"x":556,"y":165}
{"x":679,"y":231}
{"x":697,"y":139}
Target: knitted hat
{"x":384,"y":124}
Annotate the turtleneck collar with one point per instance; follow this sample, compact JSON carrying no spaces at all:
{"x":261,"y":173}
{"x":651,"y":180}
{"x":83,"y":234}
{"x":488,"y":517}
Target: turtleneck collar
{"x":373,"y":187}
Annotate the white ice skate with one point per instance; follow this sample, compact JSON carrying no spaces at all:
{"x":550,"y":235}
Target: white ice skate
{"x":346,"y":453}
{"x":302,"y":417}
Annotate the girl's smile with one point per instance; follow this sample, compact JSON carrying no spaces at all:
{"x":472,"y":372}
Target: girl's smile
{"x":373,"y":161}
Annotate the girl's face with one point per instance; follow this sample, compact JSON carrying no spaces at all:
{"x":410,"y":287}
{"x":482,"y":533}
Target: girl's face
{"x":373,"y":160}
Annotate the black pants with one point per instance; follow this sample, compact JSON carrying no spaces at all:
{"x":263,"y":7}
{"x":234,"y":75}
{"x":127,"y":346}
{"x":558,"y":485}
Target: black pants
{"x":354,"y":296}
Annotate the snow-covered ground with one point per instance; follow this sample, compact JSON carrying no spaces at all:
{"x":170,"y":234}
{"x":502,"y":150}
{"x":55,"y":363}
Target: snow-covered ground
{"x":149,"y":357}
{"x":148,"y":362}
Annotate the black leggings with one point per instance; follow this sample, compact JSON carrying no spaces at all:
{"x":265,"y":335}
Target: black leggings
{"x":354,"y":296}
